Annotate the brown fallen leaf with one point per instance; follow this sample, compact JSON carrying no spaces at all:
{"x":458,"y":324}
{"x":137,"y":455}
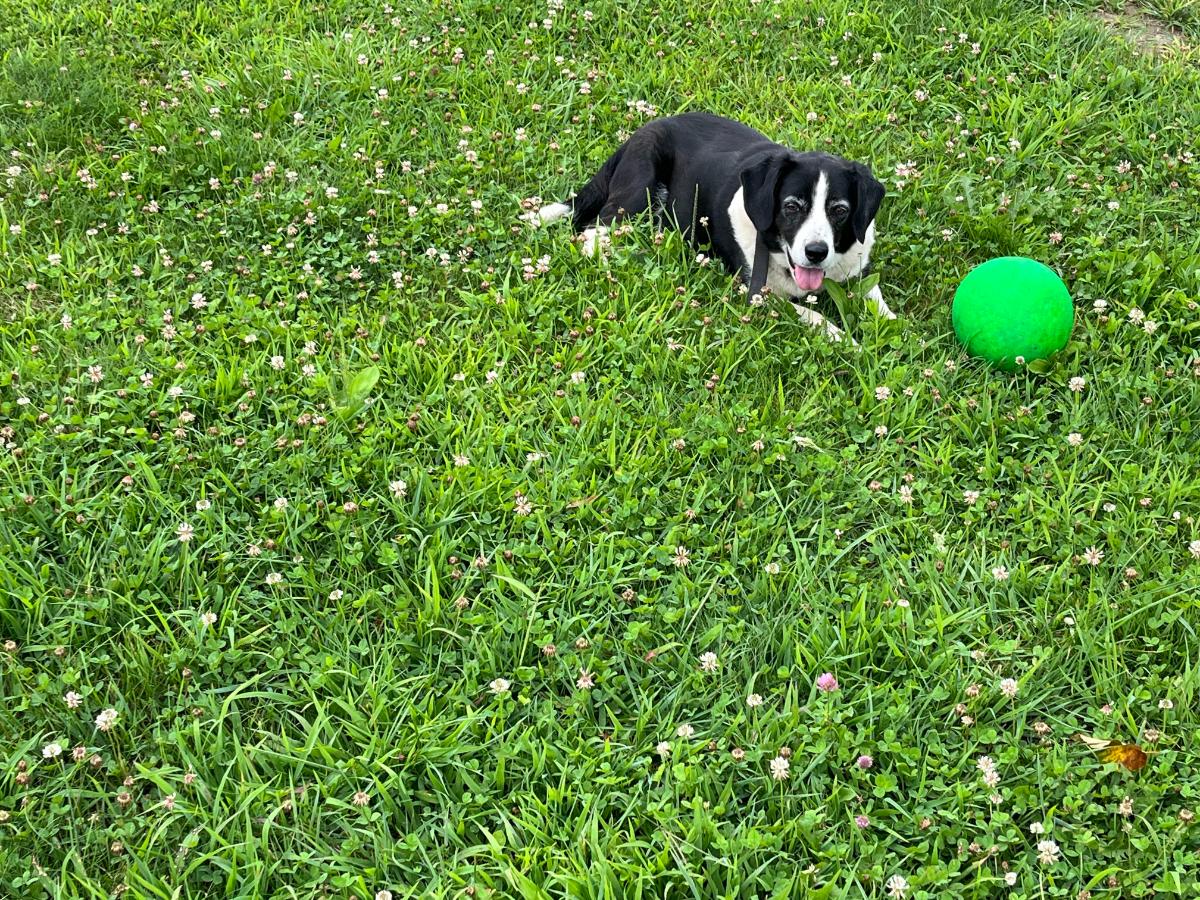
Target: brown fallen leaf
{"x":1131,"y":756}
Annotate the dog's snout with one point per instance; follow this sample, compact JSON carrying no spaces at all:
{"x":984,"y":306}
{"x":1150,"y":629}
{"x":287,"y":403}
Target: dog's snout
{"x":816,"y":251}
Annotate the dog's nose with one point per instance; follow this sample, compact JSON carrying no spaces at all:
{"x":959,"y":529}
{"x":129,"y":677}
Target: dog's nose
{"x":816,"y":251}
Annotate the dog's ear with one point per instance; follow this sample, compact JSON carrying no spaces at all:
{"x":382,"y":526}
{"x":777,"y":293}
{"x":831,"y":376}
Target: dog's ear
{"x":869,"y":195}
{"x":760,"y":183}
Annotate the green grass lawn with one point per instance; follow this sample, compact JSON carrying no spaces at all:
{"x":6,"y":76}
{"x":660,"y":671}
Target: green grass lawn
{"x":545,"y":610}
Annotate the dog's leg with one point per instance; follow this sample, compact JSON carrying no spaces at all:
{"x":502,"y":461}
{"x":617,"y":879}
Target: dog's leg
{"x":816,"y":320}
{"x":629,"y":194}
{"x":633,"y":183}
{"x":875,"y":296}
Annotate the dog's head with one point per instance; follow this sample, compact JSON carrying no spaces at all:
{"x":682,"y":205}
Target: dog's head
{"x":811,"y":206}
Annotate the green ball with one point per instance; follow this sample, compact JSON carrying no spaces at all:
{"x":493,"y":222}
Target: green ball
{"x":1011,"y":311}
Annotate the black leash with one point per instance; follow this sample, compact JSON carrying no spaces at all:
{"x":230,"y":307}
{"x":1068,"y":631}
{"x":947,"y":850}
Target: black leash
{"x":758,"y":274}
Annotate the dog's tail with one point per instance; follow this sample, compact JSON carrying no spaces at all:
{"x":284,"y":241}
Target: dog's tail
{"x":586,"y":205}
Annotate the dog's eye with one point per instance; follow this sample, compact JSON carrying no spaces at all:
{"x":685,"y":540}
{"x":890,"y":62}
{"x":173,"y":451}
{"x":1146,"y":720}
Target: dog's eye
{"x":792,"y":207}
{"x":838,"y":213}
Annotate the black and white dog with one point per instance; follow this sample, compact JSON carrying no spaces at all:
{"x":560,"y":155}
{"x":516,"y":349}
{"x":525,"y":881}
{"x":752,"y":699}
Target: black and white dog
{"x":777,"y":218}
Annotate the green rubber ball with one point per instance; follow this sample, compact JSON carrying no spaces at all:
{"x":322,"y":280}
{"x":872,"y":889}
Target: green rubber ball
{"x":1011,"y":311}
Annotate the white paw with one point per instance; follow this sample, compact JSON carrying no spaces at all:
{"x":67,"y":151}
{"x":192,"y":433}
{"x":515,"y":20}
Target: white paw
{"x":836,"y":335}
{"x":552,"y":212}
{"x":816,"y":320}
{"x":595,"y":239}
{"x":875,"y":296}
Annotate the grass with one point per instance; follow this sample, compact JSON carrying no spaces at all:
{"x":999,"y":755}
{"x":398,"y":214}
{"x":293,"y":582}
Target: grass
{"x":216,"y":232}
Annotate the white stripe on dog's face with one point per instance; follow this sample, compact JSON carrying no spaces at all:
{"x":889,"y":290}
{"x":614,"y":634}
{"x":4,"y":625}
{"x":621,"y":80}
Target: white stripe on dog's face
{"x":815,"y":229}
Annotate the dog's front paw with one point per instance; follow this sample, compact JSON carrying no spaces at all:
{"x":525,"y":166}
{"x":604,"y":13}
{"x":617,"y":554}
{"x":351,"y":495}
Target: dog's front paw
{"x":814,"y":319}
{"x":836,"y":335}
{"x":875,"y":297}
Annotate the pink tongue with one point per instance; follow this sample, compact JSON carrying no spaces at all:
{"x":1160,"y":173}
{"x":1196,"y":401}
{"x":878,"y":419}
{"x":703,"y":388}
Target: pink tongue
{"x":807,"y":279}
